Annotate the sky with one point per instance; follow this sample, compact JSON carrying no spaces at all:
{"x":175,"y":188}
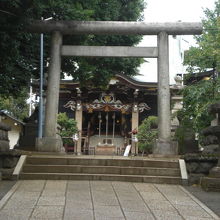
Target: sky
{"x":174,"y":10}
{"x":170,"y":11}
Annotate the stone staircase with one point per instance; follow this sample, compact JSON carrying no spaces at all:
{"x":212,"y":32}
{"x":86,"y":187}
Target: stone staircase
{"x":106,"y":169}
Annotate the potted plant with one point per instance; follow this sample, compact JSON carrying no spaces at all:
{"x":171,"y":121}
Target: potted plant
{"x":68,"y":129}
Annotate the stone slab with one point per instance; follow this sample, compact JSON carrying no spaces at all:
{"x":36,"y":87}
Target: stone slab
{"x":139,"y":216}
{"x":31,"y":185}
{"x":16,"y":214}
{"x":162,"y":215}
{"x":131,"y":206}
{"x":53,"y":193}
{"x":78,"y":205}
{"x":70,"y":214}
{"x":47,"y":212}
{"x":108,"y":211}
{"x":161,"y":205}
{"x":45,"y":200}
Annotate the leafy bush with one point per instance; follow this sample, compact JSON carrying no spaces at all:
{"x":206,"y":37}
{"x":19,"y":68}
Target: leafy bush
{"x":68,"y":127}
{"x":147,"y":133}
{"x":194,"y":115}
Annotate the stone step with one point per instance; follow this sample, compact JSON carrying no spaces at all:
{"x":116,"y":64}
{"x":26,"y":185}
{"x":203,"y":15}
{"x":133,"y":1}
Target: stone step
{"x":103,"y":177}
{"x":101,"y":162}
{"x":151,"y":171}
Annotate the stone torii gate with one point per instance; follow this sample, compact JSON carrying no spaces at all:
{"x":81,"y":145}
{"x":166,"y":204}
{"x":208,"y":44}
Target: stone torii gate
{"x":50,"y":141}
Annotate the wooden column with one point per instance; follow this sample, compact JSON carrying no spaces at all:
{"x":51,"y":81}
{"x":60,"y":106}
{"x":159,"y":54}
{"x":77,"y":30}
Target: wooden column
{"x":135,"y":121}
{"x":134,"y":125}
{"x":78,"y":118}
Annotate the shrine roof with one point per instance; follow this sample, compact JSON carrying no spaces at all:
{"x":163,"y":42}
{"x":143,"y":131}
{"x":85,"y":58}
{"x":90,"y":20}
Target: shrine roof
{"x":129,"y":81}
{"x":196,"y":77}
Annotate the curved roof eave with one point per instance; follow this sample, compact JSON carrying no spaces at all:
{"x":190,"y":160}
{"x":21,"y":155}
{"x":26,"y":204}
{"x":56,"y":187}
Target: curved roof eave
{"x":130,"y":80}
{"x":135,"y":82}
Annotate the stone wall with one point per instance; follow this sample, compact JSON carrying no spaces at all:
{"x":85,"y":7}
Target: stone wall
{"x":4,"y":141}
{"x":8,"y":158}
{"x":199,"y":165}
{"x":8,"y":161}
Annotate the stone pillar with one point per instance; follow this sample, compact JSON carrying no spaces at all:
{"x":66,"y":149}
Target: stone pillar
{"x":134,"y":125}
{"x":163,"y":145}
{"x":51,"y":141}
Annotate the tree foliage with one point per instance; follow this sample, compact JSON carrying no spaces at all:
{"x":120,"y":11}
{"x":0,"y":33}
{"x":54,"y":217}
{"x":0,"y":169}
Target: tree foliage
{"x":196,"y":100}
{"x":16,"y":107}
{"x":206,"y":54}
{"x":19,"y":52}
{"x":198,"y":96}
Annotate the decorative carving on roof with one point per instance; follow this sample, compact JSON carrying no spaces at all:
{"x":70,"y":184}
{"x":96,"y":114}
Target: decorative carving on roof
{"x":107,"y":102}
{"x":70,"y":104}
{"x":143,"y":106}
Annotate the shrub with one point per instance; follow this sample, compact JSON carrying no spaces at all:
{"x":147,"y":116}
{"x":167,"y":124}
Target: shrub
{"x":68,"y":127}
{"x":147,"y":133}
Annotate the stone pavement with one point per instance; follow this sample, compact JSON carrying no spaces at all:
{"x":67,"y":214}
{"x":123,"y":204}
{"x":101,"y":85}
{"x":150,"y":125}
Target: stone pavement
{"x":100,"y":200}
{"x":211,"y":199}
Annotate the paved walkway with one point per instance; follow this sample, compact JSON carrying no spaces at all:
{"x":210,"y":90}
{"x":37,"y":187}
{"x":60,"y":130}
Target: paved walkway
{"x":70,"y":200}
{"x":210,"y":199}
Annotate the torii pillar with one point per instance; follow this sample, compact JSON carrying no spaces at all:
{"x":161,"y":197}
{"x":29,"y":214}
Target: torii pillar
{"x":52,"y":142}
{"x":164,"y":145}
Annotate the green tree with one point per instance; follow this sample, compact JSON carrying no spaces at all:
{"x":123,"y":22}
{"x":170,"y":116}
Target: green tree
{"x":206,"y":54}
{"x":16,"y":107}
{"x":147,"y":133}
{"x":194,"y":116}
{"x":19,"y":52}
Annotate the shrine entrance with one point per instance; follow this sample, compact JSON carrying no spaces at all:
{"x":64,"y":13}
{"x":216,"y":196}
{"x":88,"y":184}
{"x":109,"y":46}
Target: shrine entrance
{"x":106,"y":122}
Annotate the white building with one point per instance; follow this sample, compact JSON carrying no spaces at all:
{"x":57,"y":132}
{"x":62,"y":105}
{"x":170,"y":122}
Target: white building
{"x":16,"y":128}
{"x":177,"y":46}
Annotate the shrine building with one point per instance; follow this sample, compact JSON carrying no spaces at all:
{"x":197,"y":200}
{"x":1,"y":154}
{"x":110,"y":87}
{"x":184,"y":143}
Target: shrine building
{"x":105,"y":118}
